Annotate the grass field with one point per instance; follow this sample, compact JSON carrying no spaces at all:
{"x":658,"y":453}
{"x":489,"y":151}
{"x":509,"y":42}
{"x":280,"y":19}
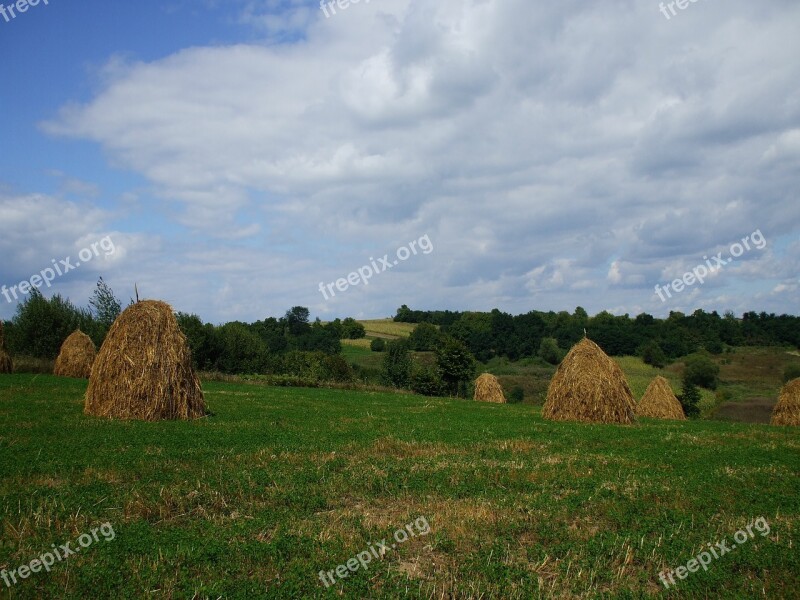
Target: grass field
{"x":281,"y":483}
{"x":387,"y":328}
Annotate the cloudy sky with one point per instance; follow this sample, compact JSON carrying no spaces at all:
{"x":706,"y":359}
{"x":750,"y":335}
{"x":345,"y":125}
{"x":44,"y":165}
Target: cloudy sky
{"x":555,"y":154}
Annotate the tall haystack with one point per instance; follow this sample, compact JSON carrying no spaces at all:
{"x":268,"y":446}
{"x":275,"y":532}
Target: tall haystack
{"x":6,"y":364}
{"x":590,"y":387}
{"x":659,"y":402}
{"x":787,"y":410}
{"x":76,"y":356}
{"x":144,"y":369}
{"x":487,"y":389}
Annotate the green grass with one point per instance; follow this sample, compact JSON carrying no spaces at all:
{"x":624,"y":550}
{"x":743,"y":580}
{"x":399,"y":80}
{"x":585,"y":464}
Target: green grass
{"x":281,"y":483}
{"x":387,"y":327}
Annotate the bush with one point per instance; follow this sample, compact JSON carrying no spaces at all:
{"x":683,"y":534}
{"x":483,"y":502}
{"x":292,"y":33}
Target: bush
{"x":550,"y":352}
{"x":427,"y":382}
{"x":352,"y":330}
{"x":336,"y":368}
{"x":791,"y":372}
{"x":653,"y":355}
{"x":424,"y":338}
{"x":377,"y":345}
{"x":690,"y":398}
{"x":516,"y":396}
{"x":397,"y":364}
{"x":41,"y":325}
{"x":240,"y":350}
{"x":701,"y":371}
{"x":456,"y":366}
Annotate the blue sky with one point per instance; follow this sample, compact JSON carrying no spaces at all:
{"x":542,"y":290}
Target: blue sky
{"x":238,"y":154}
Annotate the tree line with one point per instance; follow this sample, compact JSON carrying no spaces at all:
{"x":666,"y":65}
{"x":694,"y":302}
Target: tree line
{"x":536,"y":333}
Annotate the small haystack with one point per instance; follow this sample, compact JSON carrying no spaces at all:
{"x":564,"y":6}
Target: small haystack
{"x":144,"y":369}
{"x":76,"y":356}
{"x":6,"y":364}
{"x":589,"y":387}
{"x":659,"y":402}
{"x":787,"y":410}
{"x":487,"y":389}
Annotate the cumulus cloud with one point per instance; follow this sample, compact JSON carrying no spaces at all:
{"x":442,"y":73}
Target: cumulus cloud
{"x":559,"y":154}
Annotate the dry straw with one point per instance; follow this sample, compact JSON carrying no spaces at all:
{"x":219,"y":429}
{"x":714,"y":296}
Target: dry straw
{"x":487,"y":389}
{"x":6,"y":364}
{"x":787,"y":410}
{"x":590,"y":387}
{"x":144,"y":369}
{"x":659,"y":402}
{"x":76,"y":356}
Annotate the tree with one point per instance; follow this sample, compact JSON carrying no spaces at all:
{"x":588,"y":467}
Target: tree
{"x":352,"y":329}
{"x":424,"y":338}
{"x":377,"y":345}
{"x":297,"y":320}
{"x":653,"y":355}
{"x":105,"y":305}
{"x":455,"y":364}
{"x":242,"y":351}
{"x":702,"y":371}
{"x":550,"y":352}
{"x":426,"y":381}
{"x":690,"y":398}
{"x":42,"y":325}
{"x":397,"y":364}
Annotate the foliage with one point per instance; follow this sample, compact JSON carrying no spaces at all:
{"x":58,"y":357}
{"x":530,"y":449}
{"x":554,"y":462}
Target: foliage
{"x":377,"y":345}
{"x":352,"y":329}
{"x":455,"y":364}
{"x":426,"y":381}
{"x":791,"y":372}
{"x":424,"y":338}
{"x":516,"y":396}
{"x":701,"y":371}
{"x":690,"y":398}
{"x":105,"y":305}
{"x":397,"y":364}
{"x":550,"y":352}
{"x":40,"y":325}
{"x":653,"y":355}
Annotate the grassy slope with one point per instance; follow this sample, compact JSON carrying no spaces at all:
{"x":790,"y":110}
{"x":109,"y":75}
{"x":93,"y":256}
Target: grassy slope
{"x":281,"y":483}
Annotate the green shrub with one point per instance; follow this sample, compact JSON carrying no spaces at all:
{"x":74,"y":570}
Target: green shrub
{"x":377,"y":345}
{"x":550,"y":352}
{"x":516,"y":396}
{"x":653,"y":355}
{"x":701,"y":371}
{"x":397,"y":364}
{"x":424,"y":338}
{"x":690,"y":398}
{"x":426,"y":381}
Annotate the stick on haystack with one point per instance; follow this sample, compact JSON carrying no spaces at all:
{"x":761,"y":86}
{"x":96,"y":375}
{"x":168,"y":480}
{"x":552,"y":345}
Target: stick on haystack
{"x":144,"y":369}
{"x":659,"y":402}
{"x":76,"y":356}
{"x":487,"y":389}
{"x":787,"y":410}
{"x":6,"y":364}
{"x":590,"y":387}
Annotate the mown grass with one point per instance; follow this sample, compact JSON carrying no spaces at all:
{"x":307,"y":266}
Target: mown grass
{"x":281,"y":483}
{"x":387,"y":327}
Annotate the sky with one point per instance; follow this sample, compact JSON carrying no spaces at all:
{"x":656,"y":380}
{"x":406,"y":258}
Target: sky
{"x":239,"y":158}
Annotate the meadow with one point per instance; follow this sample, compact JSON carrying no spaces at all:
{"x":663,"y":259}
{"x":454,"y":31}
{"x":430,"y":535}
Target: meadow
{"x":278,"y":484}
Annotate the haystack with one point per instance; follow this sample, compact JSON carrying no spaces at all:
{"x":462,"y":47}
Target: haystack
{"x":144,"y":369}
{"x":659,"y":402}
{"x":487,"y":389}
{"x":787,"y":410}
{"x":6,"y":364}
{"x":76,"y":356}
{"x":590,"y":387}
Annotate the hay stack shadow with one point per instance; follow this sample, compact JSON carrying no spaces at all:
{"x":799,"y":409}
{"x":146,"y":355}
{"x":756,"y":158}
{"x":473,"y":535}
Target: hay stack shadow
{"x":76,"y":357}
{"x":6,"y":364}
{"x":144,"y":369}
{"x":488,"y":389}
{"x":787,"y":410}
{"x":589,"y":387}
{"x":660,"y":402}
